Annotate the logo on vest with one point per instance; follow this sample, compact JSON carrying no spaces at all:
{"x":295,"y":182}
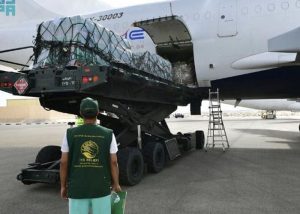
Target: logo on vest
{"x":89,"y":149}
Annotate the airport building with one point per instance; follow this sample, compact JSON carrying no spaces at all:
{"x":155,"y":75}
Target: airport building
{"x":29,"y":110}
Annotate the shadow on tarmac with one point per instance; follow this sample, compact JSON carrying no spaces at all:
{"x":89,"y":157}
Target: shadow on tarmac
{"x":290,"y":138}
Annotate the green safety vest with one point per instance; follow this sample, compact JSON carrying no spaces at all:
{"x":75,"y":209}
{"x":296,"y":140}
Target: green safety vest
{"x":79,"y":121}
{"x":89,"y":161}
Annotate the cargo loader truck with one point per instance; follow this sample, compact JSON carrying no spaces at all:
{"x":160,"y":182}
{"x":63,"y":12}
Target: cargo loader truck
{"x":136,"y":98}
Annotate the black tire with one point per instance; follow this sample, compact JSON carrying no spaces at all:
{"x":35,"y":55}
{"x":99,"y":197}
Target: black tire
{"x":48,"y":154}
{"x":27,"y":182}
{"x":131,"y":166}
{"x":20,"y":178}
{"x":200,"y":140}
{"x":154,"y":156}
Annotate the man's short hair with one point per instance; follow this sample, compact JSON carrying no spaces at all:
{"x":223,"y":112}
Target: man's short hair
{"x":89,"y":108}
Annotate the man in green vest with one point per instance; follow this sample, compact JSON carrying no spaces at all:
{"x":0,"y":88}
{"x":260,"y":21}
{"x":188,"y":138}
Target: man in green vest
{"x":89,"y":165}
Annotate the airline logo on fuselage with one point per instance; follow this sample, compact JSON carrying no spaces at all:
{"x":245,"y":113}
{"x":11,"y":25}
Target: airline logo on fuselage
{"x":136,"y":34}
{"x":8,"y":7}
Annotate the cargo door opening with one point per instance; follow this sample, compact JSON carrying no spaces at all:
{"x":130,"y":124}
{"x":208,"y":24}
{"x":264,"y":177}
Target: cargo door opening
{"x":173,"y":42}
{"x":182,"y":58}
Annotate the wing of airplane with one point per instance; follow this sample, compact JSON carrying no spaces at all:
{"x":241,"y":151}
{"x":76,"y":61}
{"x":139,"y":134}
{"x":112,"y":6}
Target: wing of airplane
{"x":268,"y":104}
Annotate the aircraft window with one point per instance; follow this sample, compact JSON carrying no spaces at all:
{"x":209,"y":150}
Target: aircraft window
{"x":258,"y":9}
{"x":208,"y":15}
{"x":245,"y":11}
{"x":222,"y":17}
{"x":197,"y":16}
{"x":271,"y":7}
{"x":285,"y":5}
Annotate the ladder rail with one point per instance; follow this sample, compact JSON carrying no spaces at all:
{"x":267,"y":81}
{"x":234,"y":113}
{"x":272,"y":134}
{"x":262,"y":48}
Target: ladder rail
{"x":216,"y":128}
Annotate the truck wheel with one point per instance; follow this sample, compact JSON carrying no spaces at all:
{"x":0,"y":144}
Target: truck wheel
{"x":27,"y":182}
{"x":200,"y":140}
{"x":20,"y":178}
{"x":48,"y":154}
{"x":131,"y":166}
{"x":154,"y":155}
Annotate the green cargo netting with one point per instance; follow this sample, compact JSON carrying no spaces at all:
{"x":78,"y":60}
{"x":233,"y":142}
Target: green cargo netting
{"x":146,"y":61}
{"x":68,"y":56}
{"x":75,"y":41}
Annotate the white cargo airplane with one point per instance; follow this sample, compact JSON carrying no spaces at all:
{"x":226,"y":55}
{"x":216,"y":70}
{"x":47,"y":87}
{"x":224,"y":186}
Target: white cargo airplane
{"x":246,"y":48}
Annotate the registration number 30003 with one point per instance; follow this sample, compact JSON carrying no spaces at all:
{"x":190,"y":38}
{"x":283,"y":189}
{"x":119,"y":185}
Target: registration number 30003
{"x":109,"y":16}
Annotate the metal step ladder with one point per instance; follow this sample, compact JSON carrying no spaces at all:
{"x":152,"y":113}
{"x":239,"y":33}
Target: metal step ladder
{"x":216,"y":130}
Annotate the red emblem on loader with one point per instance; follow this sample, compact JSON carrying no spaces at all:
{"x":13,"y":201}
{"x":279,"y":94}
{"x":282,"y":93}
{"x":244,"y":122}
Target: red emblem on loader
{"x":21,"y":85}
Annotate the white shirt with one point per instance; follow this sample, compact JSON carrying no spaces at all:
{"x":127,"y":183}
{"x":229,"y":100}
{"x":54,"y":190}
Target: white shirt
{"x":113,"y":145}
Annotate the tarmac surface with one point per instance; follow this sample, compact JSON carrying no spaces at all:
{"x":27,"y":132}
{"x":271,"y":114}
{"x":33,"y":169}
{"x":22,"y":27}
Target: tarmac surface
{"x":259,"y":174}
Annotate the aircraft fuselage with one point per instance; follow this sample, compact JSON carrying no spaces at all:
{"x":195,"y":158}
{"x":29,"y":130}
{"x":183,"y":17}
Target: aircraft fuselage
{"x":233,"y":42}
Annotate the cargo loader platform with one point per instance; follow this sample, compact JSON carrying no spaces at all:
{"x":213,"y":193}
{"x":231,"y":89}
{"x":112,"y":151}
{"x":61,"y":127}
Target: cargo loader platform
{"x":135,"y":103}
{"x":76,"y":58}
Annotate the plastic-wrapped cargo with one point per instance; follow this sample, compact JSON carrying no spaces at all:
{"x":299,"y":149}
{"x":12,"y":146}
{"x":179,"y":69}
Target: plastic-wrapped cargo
{"x":77,"y":41}
{"x":183,"y":73}
{"x":68,"y":56}
{"x":79,"y":30}
{"x":84,"y":34}
{"x":154,"y":64}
